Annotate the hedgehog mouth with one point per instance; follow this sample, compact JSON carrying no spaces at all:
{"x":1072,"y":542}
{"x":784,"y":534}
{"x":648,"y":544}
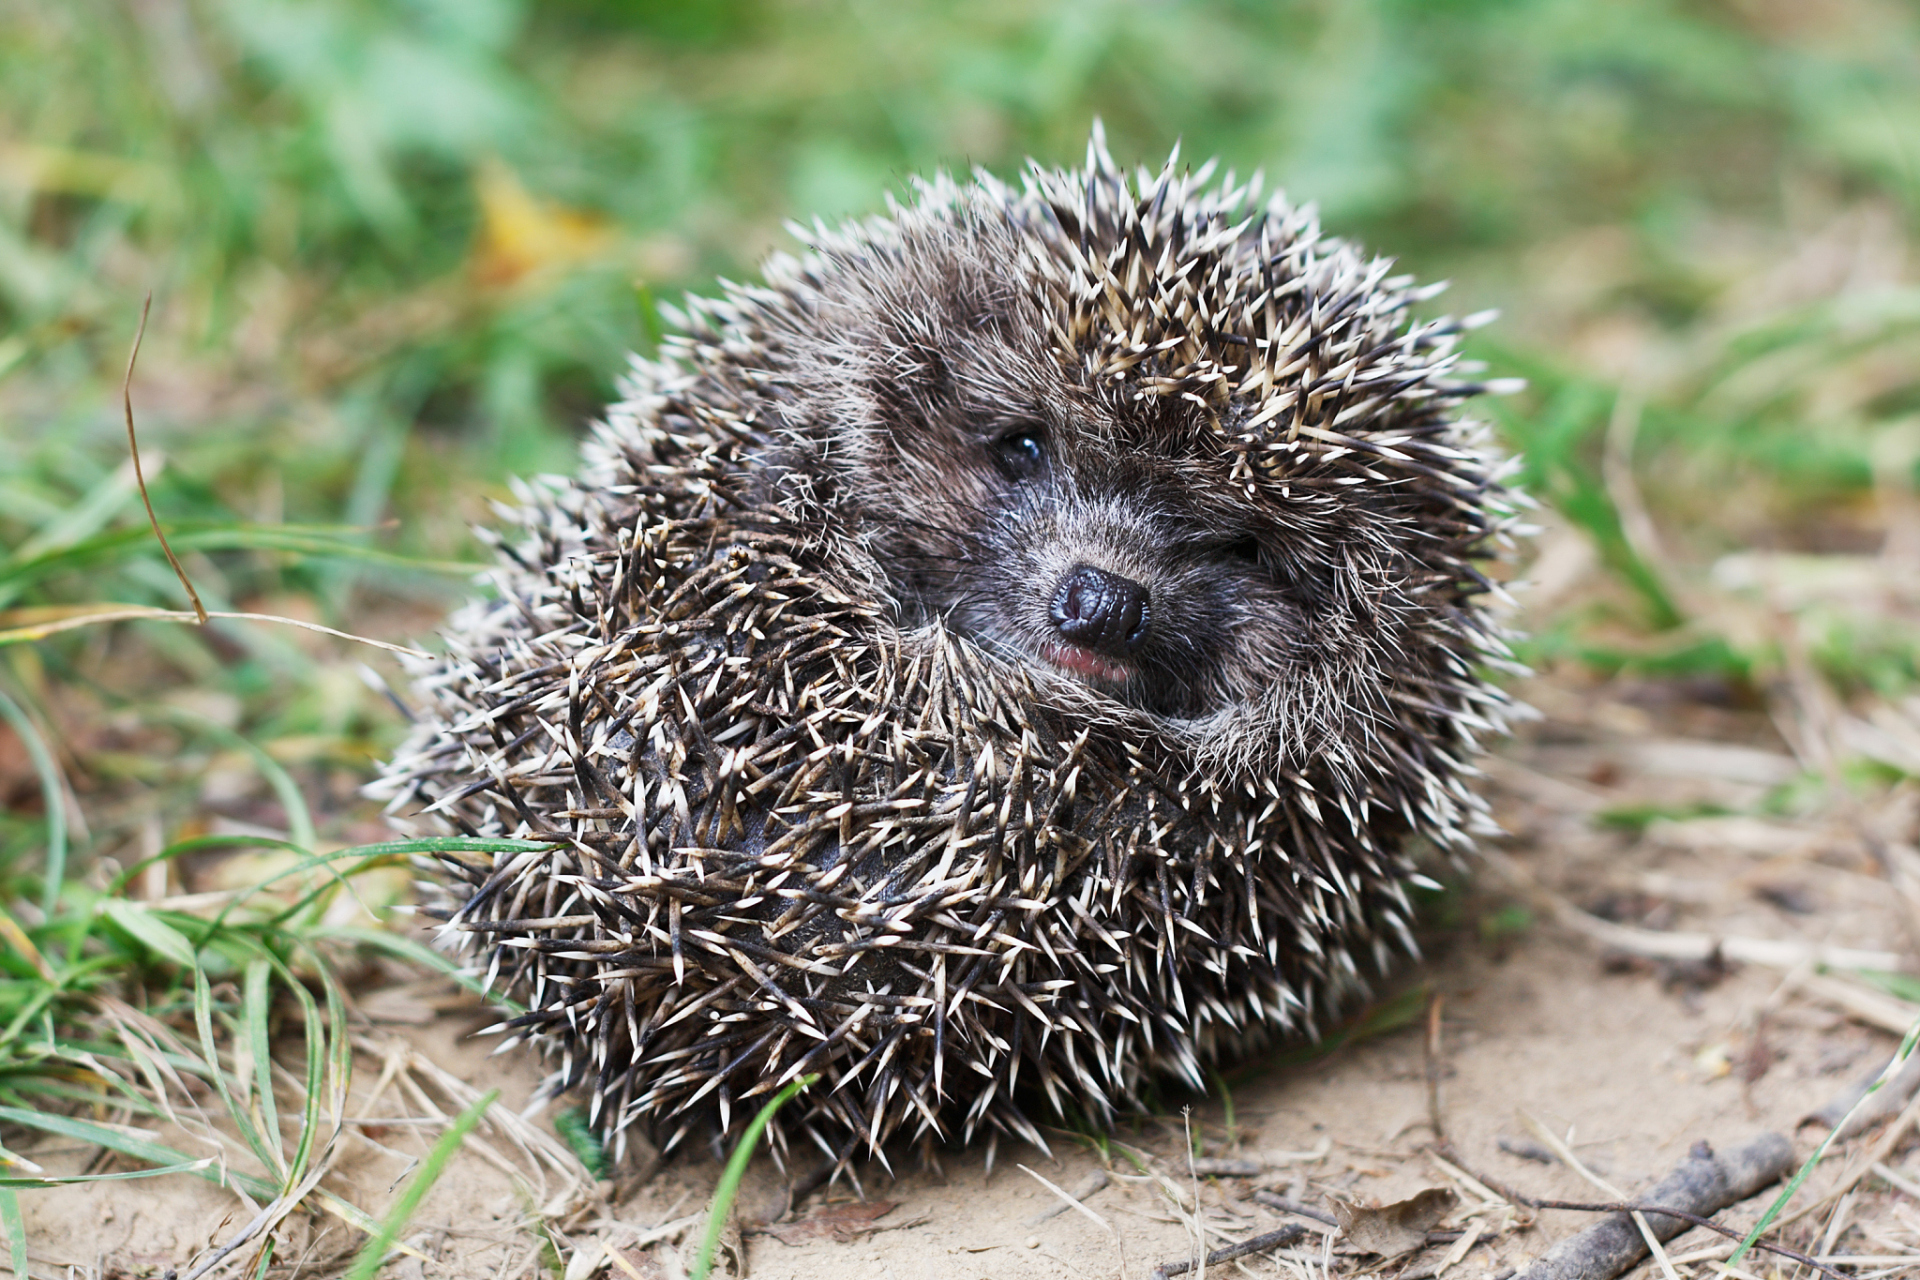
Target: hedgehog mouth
{"x":1085,"y":663}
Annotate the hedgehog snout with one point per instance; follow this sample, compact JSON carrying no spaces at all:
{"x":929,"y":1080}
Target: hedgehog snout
{"x":1102,"y":611}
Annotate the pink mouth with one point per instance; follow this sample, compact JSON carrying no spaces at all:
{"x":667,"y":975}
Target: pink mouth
{"x":1084,"y":662}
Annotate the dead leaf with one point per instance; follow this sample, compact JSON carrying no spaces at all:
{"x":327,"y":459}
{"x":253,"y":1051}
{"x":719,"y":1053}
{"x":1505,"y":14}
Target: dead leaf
{"x":1393,"y":1229}
{"x":841,"y":1222}
{"x":522,"y":235}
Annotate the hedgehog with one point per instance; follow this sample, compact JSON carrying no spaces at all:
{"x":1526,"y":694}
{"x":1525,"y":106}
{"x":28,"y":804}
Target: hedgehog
{"x":1025,"y":649}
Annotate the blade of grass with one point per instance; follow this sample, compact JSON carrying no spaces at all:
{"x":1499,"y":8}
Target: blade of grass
{"x":409,"y":950}
{"x":99,"y":615}
{"x":375,"y":1250}
{"x":125,"y":1175}
{"x":53,"y":793}
{"x":318,"y":542}
{"x":339,"y":1047}
{"x":265,"y":1145}
{"x":93,"y":512}
{"x":139,"y":477}
{"x":16,"y":1227}
{"x":316,"y":1034}
{"x":93,"y":1097}
{"x":154,"y":1153}
{"x":384,"y":849}
{"x":141,"y":1050}
{"x":149,"y":929}
{"x":16,"y":937}
{"x":370,"y":856}
{"x":729,"y":1184}
{"x":256,"y":1003}
{"x":1787,"y":1193}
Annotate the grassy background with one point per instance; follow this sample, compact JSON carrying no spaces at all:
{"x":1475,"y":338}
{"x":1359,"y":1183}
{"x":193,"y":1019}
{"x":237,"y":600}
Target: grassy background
{"x":398,"y":250}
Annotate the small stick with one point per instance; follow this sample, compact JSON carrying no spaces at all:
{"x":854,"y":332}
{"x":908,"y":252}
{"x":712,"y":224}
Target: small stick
{"x":1702,"y":1185}
{"x":1847,"y":1117}
{"x":1521,"y":1198}
{"x":133,"y":444}
{"x":1258,"y":1244}
{"x":1284,"y":1205}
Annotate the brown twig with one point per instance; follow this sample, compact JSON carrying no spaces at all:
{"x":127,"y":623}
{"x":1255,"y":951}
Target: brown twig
{"x":1258,"y":1244}
{"x":1702,"y":1181}
{"x":1284,"y":1205}
{"x":139,"y":477}
{"x":1534,"y":1202}
{"x":1691,"y":1219}
{"x":1894,"y":1094}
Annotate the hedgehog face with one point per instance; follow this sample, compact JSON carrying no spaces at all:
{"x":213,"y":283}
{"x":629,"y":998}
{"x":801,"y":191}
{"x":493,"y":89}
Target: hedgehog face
{"x":1080,"y":550}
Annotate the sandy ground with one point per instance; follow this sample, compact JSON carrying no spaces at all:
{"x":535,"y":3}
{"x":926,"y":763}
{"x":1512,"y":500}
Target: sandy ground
{"x":1629,"y":1060}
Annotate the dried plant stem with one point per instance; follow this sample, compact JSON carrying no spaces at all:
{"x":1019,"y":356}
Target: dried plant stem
{"x":1258,"y":1244}
{"x":145,"y":613}
{"x":133,"y":444}
{"x":1657,"y":944}
{"x":1636,"y":523}
{"x":1700,"y":1186}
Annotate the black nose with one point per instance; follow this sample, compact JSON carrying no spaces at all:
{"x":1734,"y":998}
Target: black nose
{"x":1103,"y":611}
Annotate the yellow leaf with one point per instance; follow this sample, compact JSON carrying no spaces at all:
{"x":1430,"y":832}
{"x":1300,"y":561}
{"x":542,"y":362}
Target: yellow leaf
{"x":522,"y":235}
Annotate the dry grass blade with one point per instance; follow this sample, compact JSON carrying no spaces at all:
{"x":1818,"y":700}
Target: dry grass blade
{"x":404,"y":1065}
{"x":99,"y":615}
{"x":1677,"y":945}
{"x":268,"y":1218}
{"x":133,"y":445}
{"x":1069,"y":1201}
{"x":1867,"y":1005}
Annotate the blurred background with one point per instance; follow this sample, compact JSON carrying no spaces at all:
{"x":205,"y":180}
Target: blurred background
{"x":398,"y":251}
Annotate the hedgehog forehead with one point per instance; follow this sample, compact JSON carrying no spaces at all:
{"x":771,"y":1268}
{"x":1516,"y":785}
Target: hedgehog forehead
{"x":1153,"y":317}
{"x":1162,"y":287}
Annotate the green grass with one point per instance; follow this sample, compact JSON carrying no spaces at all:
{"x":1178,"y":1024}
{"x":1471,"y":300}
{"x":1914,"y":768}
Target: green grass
{"x":398,"y":253}
{"x":1786,"y":1194}
{"x":728,"y":1187}
{"x":374,"y":1253}
{"x":116,"y":1005}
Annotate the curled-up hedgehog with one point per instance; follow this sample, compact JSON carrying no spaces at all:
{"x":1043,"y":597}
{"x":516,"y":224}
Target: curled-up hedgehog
{"x":1014,"y":652}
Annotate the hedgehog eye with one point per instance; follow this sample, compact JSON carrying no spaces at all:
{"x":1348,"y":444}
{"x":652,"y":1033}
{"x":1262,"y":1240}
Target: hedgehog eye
{"x":1246,"y":550}
{"x":1021,"y":453}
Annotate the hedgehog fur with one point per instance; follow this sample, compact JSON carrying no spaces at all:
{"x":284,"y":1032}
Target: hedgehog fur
{"x":1015,"y":652}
